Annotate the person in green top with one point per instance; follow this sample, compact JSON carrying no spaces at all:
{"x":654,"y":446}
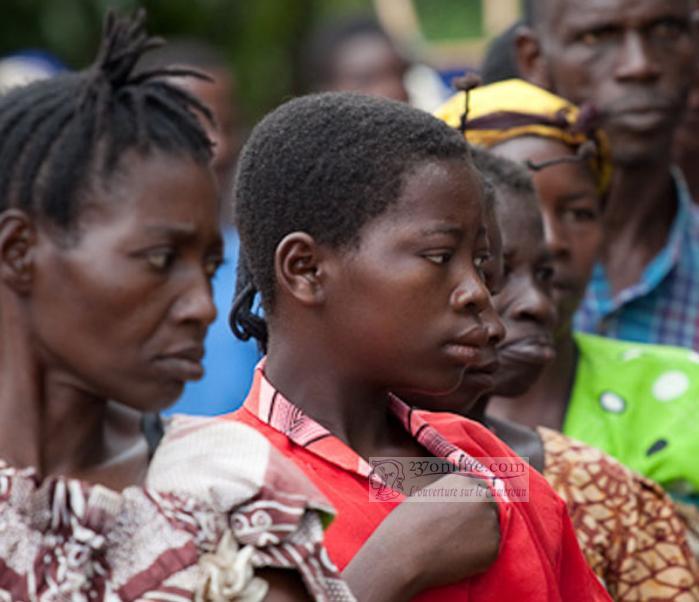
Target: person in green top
{"x":635,"y":401}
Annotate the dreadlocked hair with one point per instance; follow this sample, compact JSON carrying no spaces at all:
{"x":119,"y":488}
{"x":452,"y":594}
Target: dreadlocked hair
{"x":57,"y":135}
{"x":324,"y":164}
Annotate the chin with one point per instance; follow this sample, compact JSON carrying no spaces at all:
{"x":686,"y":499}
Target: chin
{"x":433,"y":392}
{"x":158,"y":399}
{"x":633,"y":153}
{"x":518,"y":384}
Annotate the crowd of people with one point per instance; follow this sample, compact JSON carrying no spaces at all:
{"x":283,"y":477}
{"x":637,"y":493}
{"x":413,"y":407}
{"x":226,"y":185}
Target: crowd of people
{"x":363,"y":351}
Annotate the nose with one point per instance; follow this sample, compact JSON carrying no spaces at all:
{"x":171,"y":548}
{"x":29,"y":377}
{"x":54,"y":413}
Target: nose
{"x":471,"y":294}
{"x":195,"y":303}
{"x":534,"y":305}
{"x":493,"y":324}
{"x":554,"y":235}
{"x":635,"y":62}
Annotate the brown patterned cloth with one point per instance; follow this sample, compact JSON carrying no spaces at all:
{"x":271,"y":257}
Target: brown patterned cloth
{"x":627,"y":527}
{"x":200,"y":536}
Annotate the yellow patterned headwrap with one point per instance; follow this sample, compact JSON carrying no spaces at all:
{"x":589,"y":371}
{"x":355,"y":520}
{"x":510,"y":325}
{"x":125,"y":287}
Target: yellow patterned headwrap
{"x":514,"y":108}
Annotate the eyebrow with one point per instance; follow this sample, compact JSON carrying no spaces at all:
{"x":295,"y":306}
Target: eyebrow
{"x":182,"y":232}
{"x":574,"y":196}
{"x":443,"y":229}
{"x":179,"y":230}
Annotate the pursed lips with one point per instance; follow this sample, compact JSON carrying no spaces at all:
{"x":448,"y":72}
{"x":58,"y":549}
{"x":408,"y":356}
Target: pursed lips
{"x":182,"y":363}
{"x":533,"y":349}
{"x":641,"y":117}
{"x":469,"y":347}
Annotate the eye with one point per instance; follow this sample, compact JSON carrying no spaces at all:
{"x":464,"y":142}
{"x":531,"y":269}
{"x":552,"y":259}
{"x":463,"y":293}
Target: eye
{"x":213,"y":263}
{"x":506,"y":269}
{"x":668,"y":29}
{"x":480,"y":262}
{"x":544,"y":274}
{"x":439,"y":258}
{"x":595,"y":37}
{"x":589,"y":38}
{"x":160,"y":259}
{"x":581,"y":215}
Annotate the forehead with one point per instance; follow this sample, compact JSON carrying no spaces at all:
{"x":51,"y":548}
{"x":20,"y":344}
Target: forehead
{"x":519,"y":218}
{"x":443,"y":198}
{"x":449,"y":189}
{"x":575,"y":178}
{"x":534,"y":148}
{"x":155,"y":187}
{"x":632,"y":13}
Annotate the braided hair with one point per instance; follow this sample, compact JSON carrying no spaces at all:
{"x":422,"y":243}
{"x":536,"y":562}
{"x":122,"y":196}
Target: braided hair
{"x":56,"y":135}
{"x":324,"y":164}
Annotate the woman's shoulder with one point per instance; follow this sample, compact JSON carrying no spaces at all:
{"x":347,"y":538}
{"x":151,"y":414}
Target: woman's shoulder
{"x":228,"y":463}
{"x":218,"y":504}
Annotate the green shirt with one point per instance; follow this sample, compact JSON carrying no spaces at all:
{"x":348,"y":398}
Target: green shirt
{"x":640,"y":404}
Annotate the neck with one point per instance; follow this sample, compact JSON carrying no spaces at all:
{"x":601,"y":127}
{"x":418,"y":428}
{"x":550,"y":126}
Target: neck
{"x":546,"y":401}
{"x":638,"y":217}
{"x":49,"y":424}
{"x":478,"y":411}
{"x":688,"y":162}
{"x":353,"y":411}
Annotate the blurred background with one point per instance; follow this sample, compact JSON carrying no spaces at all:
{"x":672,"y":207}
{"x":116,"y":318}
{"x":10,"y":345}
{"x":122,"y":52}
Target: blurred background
{"x":259,"y":53}
{"x":263,"y":40}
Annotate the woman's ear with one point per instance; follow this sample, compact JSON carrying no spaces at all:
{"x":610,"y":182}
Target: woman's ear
{"x":531,"y":62}
{"x":299,"y":269}
{"x":17,"y":250}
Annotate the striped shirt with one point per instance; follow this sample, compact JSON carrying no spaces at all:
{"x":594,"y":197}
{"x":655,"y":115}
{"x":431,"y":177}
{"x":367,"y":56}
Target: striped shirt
{"x":663,"y":306}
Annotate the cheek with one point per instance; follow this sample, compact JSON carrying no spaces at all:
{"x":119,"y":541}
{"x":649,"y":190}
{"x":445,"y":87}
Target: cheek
{"x":585,"y":248}
{"x":103,"y":309}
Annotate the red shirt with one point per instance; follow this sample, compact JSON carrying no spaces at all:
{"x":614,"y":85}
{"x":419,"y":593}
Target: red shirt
{"x":539,"y":558}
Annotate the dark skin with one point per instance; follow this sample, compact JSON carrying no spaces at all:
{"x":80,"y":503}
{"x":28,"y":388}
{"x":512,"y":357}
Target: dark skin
{"x":686,"y":147}
{"x":128,"y":324}
{"x":524,"y":302}
{"x":572,"y":215}
{"x":526,"y":307}
{"x":370,"y":64}
{"x":634,"y":60}
{"x":63,"y":359}
{"x":479,"y":378}
{"x":520,"y":274}
{"x":423,"y":258}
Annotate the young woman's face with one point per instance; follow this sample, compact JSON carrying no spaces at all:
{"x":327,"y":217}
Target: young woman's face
{"x":411,"y":297}
{"x":479,"y":378}
{"x":524,"y":303}
{"x":121,"y":312}
{"x":571,"y":209}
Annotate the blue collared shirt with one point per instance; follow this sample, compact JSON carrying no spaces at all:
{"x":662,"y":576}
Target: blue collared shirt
{"x":663,"y":306}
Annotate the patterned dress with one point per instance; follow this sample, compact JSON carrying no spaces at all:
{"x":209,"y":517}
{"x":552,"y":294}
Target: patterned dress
{"x":219,"y":503}
{"x":626,"y":525}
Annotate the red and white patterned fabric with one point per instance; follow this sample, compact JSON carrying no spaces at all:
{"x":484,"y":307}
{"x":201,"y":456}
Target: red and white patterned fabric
{"x":197,"y":531}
